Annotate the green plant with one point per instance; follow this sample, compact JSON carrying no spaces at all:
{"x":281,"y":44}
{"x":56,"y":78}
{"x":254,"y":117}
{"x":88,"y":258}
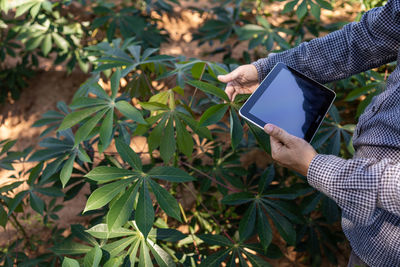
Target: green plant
{"x":138,"y":206}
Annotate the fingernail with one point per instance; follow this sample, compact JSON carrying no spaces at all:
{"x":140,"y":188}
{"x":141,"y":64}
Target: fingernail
{"x":269,"y":128}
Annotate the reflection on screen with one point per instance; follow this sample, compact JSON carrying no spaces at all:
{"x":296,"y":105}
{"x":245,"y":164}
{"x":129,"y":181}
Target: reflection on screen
{"x":289,"y":103}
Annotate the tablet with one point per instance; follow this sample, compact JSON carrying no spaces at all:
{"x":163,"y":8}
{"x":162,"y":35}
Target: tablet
{"x":289,"y":100}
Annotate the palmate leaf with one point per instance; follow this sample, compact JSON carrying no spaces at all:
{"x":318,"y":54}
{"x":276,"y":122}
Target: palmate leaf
{"x":70,"y":247}
{"x":105,"y":194}
{"x":121,"y":209}
{"x":144,"y":215}
{"x":232,"y":252}
{"x":128,"y":155}
{"x":68,"y":262}
{"x":93,"y":257}
{"x":117,"y":57}
{"x":103,"y":174}
{"x":77,"y":116}
{"x":236,"y":128}
{"x":213,"y":115}
{"x":210,"y":89}
{"x":255,"y":217}
{"x":101,"y":231}
{"x":167,"y":202}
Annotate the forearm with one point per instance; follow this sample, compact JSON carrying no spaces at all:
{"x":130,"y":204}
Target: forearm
{"x":355,"y":48}
{"x":358,"y":186}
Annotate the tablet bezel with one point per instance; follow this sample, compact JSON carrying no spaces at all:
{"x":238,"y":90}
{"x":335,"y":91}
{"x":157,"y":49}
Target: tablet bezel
{"x":264,"y":85}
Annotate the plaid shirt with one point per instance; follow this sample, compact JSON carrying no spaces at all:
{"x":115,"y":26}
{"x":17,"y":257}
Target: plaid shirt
{"x":367,"y":187}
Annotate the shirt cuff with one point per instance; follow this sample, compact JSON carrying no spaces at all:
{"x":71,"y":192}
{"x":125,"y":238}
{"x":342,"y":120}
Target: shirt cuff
{"x":322,"y":170}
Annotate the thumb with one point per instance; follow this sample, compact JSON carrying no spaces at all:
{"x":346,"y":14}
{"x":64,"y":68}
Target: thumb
{"x":278,"y":133}
{"x":229,"y":77}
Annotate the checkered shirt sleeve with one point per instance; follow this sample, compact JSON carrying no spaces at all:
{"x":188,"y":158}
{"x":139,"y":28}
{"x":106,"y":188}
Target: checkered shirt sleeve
{"x":357,"y":47}
{"x":357,"y":185}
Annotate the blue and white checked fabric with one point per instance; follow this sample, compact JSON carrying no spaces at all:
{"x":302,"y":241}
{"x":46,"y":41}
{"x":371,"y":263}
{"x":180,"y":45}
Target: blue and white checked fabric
{"x":366,"y":187}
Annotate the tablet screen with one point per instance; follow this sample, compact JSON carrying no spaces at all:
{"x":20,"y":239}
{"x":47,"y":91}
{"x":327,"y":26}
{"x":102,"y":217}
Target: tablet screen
{"x":289,"y":100}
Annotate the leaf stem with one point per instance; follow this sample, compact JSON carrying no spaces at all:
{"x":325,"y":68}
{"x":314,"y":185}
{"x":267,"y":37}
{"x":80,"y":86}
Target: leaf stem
{"x":210,"y":177}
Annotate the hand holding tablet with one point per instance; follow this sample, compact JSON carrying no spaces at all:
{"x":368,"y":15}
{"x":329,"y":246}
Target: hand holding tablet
{"x":289,"y":100}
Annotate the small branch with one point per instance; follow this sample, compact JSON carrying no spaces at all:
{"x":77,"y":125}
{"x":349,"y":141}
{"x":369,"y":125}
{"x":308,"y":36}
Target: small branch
{"x":21,"y":228}
{"x":210,"y":177}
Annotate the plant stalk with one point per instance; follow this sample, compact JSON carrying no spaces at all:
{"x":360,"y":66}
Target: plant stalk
{"x":211,"y":178}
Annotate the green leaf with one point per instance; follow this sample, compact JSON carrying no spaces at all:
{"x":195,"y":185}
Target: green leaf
{"x":171,"y":174}
{"x":167,"y":202}
{"x":130,"y":112}
{"x":70,"y":247}
{"x":255,"y":260}
{"x":46,"y":45}
{"x":263,"y":229}
{"x":77,"y":116}
{"x":133,"y":252}
{"x":67,"y":262}
{"x":106,"y":129}
{"x":215,"y":259}
{"x":184,"y":139}
{"x":238,"y":198}
{"x":37,"y":203}
{"x":217,"y":240}
{"x":3,"y":217}
{"x":82,"y":155}
{"x":213,"y":115}
{"x":325,"y":4}
{"x":198,"y":69}
{"x":144,"y":257}
{"x":285,"y":228}
{"x":117,"y":247}
{"x":66,"y":171}
{"x":302,"y":9}
{"x":128,"y":155}
{"x":289,"y":6}
{"x":210,"y":89}
{"x":162,"y":257}
{"x":261,"y":137}
{"x":35,"y":10}
{"x":156,"y":134}
{"x":247,"y":223}
{"x":83,"y":132}
{"x":144,"y":215}
{"x":315,"y":10}
{"x":93,"y":257}
{"x":14,"y":203}
{"x":34,"y":42}
{"x":115,"y":82}
{"x":236,"y":129}
{"x":101,"y":231}
{"x":168,"y":145}
{"x":85,"y":102}
{"x":121,"y":209}
{"x":266,"y":178}
{"x":60,"y":41}
{"x":24,"y":8}
{"x":169,"y":234}
{"x":103,"y":195}
{"x":103,"y":174}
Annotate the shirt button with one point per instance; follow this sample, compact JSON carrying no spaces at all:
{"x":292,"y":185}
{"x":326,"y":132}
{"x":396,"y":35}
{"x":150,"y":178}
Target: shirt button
{"x":373,"y":108}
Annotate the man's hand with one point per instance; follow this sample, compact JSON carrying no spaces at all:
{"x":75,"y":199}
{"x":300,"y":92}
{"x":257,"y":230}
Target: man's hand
{"x":243,"y":80}
{"x":290,"y":151}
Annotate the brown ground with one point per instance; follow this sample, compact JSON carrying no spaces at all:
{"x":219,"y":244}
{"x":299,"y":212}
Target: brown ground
{"x":52,"y":84}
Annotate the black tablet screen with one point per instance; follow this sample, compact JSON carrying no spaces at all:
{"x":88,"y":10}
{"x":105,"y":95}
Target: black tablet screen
{"x":290,"y":101}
